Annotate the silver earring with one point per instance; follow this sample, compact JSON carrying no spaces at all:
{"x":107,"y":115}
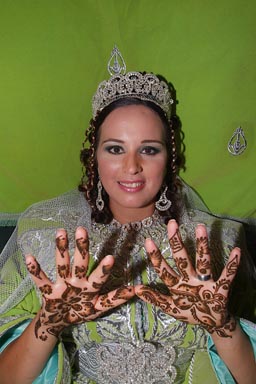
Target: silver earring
{"x":163,"y":203}
{"x":99,"y":200}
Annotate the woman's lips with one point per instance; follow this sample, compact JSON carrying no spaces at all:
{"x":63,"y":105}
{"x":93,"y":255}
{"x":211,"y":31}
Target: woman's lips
{"x":131,"y":186}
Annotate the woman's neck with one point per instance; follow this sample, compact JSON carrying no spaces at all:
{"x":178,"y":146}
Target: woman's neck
{"x":130,"y":215}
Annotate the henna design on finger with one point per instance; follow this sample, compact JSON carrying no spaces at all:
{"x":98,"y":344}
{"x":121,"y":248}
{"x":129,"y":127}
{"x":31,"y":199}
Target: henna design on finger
{"x":182,"y":264}
{"x":122,"y":293}
{"x":96,"y":286}
{"x":202,"y":247}
{"x":106,"y":269}
{"x":155,"y":298}
{"x":34,"y":269}
{"x":203,"y":266}
{"x":157,"y":258}
{"x":63,"y":271}
{"x":232,"y":266}
{"x":83,"y":246}
{"x":176,"y":242}
{"x":105,"y":301}
{"x":62,"y":244}
{"x":168,"y":278}
{"x":224,"y":284}
{"x":46,"y":289}
{"x":80,"y":272}
{"x":88,"y":296}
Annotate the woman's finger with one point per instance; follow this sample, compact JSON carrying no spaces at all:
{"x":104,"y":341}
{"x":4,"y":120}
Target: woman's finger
{"x":114,"y":298}
{"x":229,"y":271}
{"x":203,"y":258}
{"x":101,"y":273}
{"x":81,"y":255}
{"x":158,"y":299}
{"x":62,"y":256}
{"x":38,"y":275}
{"x":165,"y":272}
{"x":180,"y":255}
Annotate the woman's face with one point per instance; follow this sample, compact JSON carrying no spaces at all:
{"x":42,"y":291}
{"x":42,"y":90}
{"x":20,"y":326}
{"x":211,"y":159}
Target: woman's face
{"x":131,"y":157}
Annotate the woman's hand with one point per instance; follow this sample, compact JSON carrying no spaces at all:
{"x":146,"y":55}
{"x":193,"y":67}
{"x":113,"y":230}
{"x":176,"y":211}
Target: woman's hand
{"x":74,"y":298}
{"x":194,"y":297}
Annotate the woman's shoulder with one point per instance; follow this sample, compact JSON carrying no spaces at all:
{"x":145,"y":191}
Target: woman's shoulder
{"x":63,"y":211}
{"x":69,"y":200}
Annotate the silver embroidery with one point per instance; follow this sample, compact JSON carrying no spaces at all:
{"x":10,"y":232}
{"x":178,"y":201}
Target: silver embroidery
{"x":127,"y":363}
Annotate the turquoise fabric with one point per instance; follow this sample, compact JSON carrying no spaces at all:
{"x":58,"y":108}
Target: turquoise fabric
{"x":219,"y":366}
{"x":49,"y":374}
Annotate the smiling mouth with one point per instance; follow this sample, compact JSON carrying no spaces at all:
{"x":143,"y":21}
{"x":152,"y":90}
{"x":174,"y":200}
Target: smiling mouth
{"x":131,"y":184}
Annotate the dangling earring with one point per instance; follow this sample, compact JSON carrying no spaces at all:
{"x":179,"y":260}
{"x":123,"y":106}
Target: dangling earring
{"x":99,"y":200}
{"x":163,"y":203}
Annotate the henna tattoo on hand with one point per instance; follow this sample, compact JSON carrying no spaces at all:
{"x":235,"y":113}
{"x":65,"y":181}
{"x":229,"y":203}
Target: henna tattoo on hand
{"x":62,"y":244}
{"x":198,"y":304}
{"x":63,"y":271}
{"x":96,"y":286}
{"x":80,"y":272}
{"x":203,"y":266}
{"x":226,"y":329}
{"x":202,"y":247}
{"x":182,"y":264}
{"x":46,"y":289}
{"x":176,"y":242}
{"x":157,"y":257}
{"x":189,"y":299}
{"x":74,"y":306}
{"x":34,"y":269}
{"x":106,"y":269}
{"x":168,"y":278}
{"x":232,"y":266}
{"x":83,"y":246}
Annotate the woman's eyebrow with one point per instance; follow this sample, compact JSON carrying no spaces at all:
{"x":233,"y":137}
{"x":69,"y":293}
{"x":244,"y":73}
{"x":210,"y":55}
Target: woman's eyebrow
{"x":142,"y":142}
{"x":115,"y":140}
{"x":152,"y":141}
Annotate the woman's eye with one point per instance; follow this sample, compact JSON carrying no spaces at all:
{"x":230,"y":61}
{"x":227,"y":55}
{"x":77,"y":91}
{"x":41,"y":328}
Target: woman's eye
{"x":114,"y":149}
{"x":150,"y":150}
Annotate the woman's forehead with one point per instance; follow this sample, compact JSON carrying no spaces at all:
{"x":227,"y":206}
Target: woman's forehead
{"x":133,"y":120}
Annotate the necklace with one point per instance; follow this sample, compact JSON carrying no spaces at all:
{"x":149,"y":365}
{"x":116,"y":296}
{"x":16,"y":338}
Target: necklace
{"x":138,"y":225}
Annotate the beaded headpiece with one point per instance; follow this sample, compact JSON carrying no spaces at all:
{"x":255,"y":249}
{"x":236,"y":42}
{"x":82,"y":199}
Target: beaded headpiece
{"x":143,"y":86}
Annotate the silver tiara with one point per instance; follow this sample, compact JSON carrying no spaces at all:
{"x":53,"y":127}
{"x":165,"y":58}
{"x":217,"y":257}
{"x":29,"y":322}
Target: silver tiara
{"x":144,"y":86}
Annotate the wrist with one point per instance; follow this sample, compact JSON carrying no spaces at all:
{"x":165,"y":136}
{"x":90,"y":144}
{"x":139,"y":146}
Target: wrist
{"x":226,"y":329}
{"x":44,"y":329}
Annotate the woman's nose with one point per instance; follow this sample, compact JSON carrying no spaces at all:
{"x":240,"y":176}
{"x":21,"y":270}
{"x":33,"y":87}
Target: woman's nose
{"x":132,"y":164}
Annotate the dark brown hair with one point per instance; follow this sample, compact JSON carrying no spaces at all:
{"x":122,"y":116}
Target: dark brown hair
{"x":175,"y":159}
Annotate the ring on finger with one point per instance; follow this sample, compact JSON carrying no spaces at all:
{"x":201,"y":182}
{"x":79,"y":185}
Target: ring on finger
{"x":204,"y":277}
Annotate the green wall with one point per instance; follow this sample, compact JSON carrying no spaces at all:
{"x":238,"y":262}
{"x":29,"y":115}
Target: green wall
{"x":53,"y":55}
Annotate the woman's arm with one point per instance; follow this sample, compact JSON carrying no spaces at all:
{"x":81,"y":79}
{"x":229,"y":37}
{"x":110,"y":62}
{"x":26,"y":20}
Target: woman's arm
{"x":24,"y":359}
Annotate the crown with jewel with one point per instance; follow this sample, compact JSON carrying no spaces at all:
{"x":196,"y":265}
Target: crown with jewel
{"x":143,"y":86}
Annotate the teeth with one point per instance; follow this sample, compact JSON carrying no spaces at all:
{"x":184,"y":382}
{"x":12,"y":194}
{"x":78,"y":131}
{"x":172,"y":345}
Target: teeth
{"x":131,"y":185}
